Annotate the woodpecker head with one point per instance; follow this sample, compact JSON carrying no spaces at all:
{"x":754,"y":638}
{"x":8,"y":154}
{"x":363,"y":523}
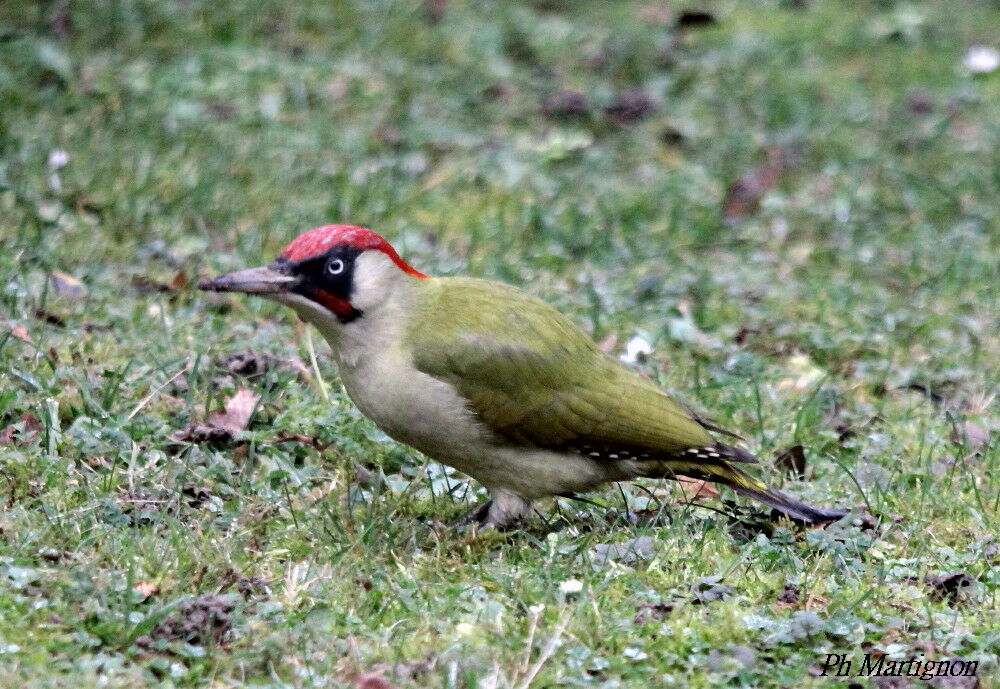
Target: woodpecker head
{"x":330,"y":274}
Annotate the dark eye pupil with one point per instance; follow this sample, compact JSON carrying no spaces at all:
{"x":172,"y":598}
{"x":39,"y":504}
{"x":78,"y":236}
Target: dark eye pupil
{"x":335,"y":267}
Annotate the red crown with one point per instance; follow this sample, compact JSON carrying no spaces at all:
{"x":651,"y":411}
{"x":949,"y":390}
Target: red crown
{"x":319,"y":240}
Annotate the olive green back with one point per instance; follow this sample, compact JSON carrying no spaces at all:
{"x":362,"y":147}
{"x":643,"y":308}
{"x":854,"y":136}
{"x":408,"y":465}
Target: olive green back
{"x":537,"y":379}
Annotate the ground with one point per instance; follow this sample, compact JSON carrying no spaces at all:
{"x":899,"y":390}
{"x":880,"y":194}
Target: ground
{"x":793,"y":203}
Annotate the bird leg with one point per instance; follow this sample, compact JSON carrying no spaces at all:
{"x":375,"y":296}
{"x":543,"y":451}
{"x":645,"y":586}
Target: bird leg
{"x":477,"y":516}
{"x":502,"y":511}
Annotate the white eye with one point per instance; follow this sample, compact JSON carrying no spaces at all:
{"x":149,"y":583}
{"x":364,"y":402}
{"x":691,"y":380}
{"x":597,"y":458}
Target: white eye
{"x":335,"y":267}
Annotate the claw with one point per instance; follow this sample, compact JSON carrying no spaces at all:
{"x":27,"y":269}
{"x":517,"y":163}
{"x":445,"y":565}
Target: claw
{"x":478,"y":517}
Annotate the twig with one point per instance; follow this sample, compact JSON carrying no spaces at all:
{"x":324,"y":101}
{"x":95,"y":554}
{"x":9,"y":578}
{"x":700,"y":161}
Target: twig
{"x":145,"y":400}
{"x":547,"y":651}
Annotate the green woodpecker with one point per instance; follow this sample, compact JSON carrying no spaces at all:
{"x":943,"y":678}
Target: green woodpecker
{"x":491,"y":380}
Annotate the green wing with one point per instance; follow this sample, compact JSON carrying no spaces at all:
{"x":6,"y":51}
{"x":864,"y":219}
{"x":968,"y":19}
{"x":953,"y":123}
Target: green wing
{"x":536,"y":379}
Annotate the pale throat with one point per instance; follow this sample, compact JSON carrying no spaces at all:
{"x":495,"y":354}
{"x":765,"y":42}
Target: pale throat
{"x":377,"y":295}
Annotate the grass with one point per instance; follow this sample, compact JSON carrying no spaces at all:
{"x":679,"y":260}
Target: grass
{"x":853,"y":312}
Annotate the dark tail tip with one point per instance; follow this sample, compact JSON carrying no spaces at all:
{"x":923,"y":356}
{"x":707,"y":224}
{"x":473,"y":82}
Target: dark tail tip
{"x":790,"y":507}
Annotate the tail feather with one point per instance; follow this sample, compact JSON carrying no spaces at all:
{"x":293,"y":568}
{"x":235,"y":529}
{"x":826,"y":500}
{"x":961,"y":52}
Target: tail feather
{"x":789,"y":506}
{"x":748,"y":486}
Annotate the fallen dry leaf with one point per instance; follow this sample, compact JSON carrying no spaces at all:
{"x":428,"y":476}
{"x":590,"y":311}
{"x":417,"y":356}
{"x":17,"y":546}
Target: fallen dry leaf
{"x":145,"y":589}
{"x":652,"y":612}
{"x":236,"y":415}
{"x":21,"y":333}
{"x":744,"y":195}
{"x":220,"y":110}
{"x":204,"y":620}
{"x":19,"y":431}
{"x":630,"y":106}
{"x":792,"y":461}
{"x":222,"y":425}
{"x":970,"y":435}
{"x":693,"y":489}
{"x":564,"y":104}
{"x":179,"y":281}
{"x":814,"y":601}
{"x":372,"y":680}
{"x":67,"y":285}
{"x":949,"y":586}
{"x":313,"y":441}
{"x":434,"y":10}
{"x":920,"y":102}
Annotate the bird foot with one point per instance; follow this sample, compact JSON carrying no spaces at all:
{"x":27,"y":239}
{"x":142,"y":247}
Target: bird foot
{"x":477,"y":518}
{"x":501,"y":512}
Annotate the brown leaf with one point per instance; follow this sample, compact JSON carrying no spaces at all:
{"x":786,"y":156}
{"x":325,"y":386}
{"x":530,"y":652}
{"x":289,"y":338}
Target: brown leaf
{"x":920,"y":102}
{"x":565,"y":104}
{"x":222,"y":425}
{"x":67,"y":285}
{"x":387,"y":135}
{"x":236,"y":415}
{"x":970,"y":435}
{"x":220,"y":110}
{"x":145,"y":589}
{"x":631,"y":105}
{"x":61,"y":23}
{"x":499,"y":91}
{"x":372,"y":680}
{"x":694,"y":489}
{"x":179,"y":281}
{"x":949,"y":585}
{"x":285,"y":437}
{"x":744,"y":195}
{"x":204,"y":620}
{"x":652,"y":612}
{"x":814,"y":600}
{"x":19,"y":431}
{"x":434,"y":10}
{"x":21,"y":333}
{"x":792,"y":461}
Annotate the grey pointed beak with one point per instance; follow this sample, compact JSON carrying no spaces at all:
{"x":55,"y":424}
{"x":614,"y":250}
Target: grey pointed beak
{"x":263,"y":280}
